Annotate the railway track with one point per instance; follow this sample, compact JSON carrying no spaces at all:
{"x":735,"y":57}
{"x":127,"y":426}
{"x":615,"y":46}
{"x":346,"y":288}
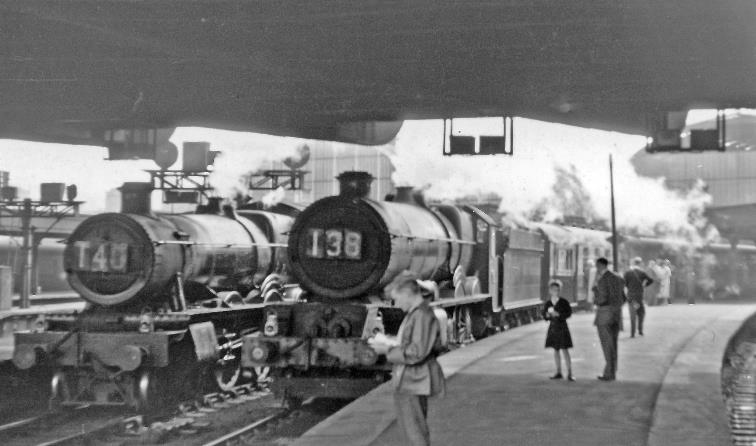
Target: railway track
{"x":98,"y":425}
{"x":215,"y":419}
{"x":246,"y":431}
{"x":59,"y":427}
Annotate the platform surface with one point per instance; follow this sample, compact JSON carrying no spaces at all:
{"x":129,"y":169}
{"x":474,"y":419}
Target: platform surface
{"x":498,"y":391}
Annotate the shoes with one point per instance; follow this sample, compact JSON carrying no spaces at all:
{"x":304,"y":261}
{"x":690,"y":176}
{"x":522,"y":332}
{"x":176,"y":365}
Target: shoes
{"x":557,"y":376}
{"x":640,"y":333}
{"x":570,"y":378}
{"x":632,"y":336}
{"x":604,"y":378}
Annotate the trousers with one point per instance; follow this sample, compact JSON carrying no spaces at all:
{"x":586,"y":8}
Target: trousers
{"x":412,"y":414}
{"x":608,"y":334}
{"x":638,"y":315}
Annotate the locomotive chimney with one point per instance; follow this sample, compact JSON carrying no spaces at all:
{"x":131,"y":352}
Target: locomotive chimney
{"x":136,"y":198}
{"x":405,"y":194}
{"x":355,"y":184}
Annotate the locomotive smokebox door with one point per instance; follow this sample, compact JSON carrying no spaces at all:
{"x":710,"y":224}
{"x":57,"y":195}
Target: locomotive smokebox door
{"x":205,"y":341}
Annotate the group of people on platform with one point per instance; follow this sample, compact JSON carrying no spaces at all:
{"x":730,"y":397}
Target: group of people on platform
{"x":610,"y":291}
{"x":417,"y":375}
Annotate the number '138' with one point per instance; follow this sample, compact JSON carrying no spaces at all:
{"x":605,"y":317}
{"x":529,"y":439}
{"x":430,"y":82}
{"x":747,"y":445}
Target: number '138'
{"x":334,"y":243}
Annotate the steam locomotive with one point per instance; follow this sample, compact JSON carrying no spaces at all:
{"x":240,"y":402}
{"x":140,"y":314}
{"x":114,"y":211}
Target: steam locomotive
{"x":169,"y":296}
{"x":343,"y":250}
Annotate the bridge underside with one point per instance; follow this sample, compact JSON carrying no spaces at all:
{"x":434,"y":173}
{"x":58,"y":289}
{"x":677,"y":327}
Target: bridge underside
{"x":318,"y":69}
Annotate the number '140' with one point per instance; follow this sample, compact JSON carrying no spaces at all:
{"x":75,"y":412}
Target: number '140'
{"x":103,"y":257}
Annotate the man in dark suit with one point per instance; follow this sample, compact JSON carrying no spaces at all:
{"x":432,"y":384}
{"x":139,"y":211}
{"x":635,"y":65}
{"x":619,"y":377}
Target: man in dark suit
{"x":636,"y":280}
{"x":609,"y":297}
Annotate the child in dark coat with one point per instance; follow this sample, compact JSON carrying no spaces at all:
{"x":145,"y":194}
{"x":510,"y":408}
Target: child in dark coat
{"x":557,"y":310}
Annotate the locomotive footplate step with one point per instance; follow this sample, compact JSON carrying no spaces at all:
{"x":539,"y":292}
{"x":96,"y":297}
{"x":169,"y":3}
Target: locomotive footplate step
{"x":667,"y":390}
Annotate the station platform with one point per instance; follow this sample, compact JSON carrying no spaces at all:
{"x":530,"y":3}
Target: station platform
{"x":499,"y":392}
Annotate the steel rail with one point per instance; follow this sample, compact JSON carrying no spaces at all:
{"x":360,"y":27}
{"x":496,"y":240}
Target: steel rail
{"x":233,"y":436}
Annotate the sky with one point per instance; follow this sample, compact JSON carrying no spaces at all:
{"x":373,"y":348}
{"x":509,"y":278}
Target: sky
{"x":522,"y":179}
{"x":32,"y":163}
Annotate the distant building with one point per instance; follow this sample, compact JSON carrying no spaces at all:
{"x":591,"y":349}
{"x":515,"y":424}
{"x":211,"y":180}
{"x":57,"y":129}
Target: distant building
{"x":729,"y":176}
{"x":327,"y":161}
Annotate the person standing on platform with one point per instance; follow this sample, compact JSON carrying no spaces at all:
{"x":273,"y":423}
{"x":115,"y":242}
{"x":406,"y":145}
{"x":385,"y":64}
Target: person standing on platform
{"x":557,"y":310}
{"x":664,"y":272}
{"x":609,"y":299}
{"x":651,"y":292}
{"x":636,"y":280}
{"x":416,"y":374}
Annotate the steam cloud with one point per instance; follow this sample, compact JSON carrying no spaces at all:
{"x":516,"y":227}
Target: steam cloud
{"x":562,"y":171}
{"x":274,"y":197}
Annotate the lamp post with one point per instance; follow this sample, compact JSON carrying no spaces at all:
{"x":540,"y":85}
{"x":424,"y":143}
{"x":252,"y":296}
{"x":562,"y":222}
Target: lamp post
{"x":615,"y":254}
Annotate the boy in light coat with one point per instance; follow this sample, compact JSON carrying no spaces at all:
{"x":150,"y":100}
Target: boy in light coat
{"x":416,"y":374}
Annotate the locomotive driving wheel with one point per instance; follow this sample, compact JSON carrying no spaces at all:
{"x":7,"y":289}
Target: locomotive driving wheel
{"x":462,"y":325}
{"x":228,"y":371}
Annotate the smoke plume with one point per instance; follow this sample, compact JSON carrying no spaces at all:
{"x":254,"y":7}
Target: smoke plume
{"x":273,"y":197}
{"x":569,"y":198}
{"x":556,"y":170}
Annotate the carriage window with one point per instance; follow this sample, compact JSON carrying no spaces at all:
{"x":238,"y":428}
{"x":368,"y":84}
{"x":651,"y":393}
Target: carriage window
{"x":569,"y":263}
{"x":565,"y":261}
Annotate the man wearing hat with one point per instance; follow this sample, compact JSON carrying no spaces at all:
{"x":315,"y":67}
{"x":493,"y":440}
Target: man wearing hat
{"x":609,"y":298}
{"x":416,"y":374}
{"x":636,"y":280}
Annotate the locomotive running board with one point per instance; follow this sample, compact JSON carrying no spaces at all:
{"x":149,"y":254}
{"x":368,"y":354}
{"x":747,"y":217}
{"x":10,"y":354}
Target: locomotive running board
{"x":456,"y":301}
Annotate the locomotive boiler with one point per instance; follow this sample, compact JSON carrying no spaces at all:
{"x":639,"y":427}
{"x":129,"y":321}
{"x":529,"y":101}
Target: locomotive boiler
{"x":369,"y":242}
{"x":343,"y":250}
{"x":169,"y":294}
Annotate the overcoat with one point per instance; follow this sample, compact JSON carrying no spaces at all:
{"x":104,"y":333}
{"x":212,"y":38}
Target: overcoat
{"x":416,"y":370}
{"x":610,"y":296}
{"x":558,"y":336}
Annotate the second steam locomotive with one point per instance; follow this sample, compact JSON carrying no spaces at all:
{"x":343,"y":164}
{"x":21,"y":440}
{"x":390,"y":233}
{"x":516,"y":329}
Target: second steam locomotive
{"x":167,"y":294}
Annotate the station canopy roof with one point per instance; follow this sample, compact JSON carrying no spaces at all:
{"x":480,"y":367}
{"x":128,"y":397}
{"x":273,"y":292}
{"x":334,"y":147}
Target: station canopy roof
{"x":319,"y":69}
